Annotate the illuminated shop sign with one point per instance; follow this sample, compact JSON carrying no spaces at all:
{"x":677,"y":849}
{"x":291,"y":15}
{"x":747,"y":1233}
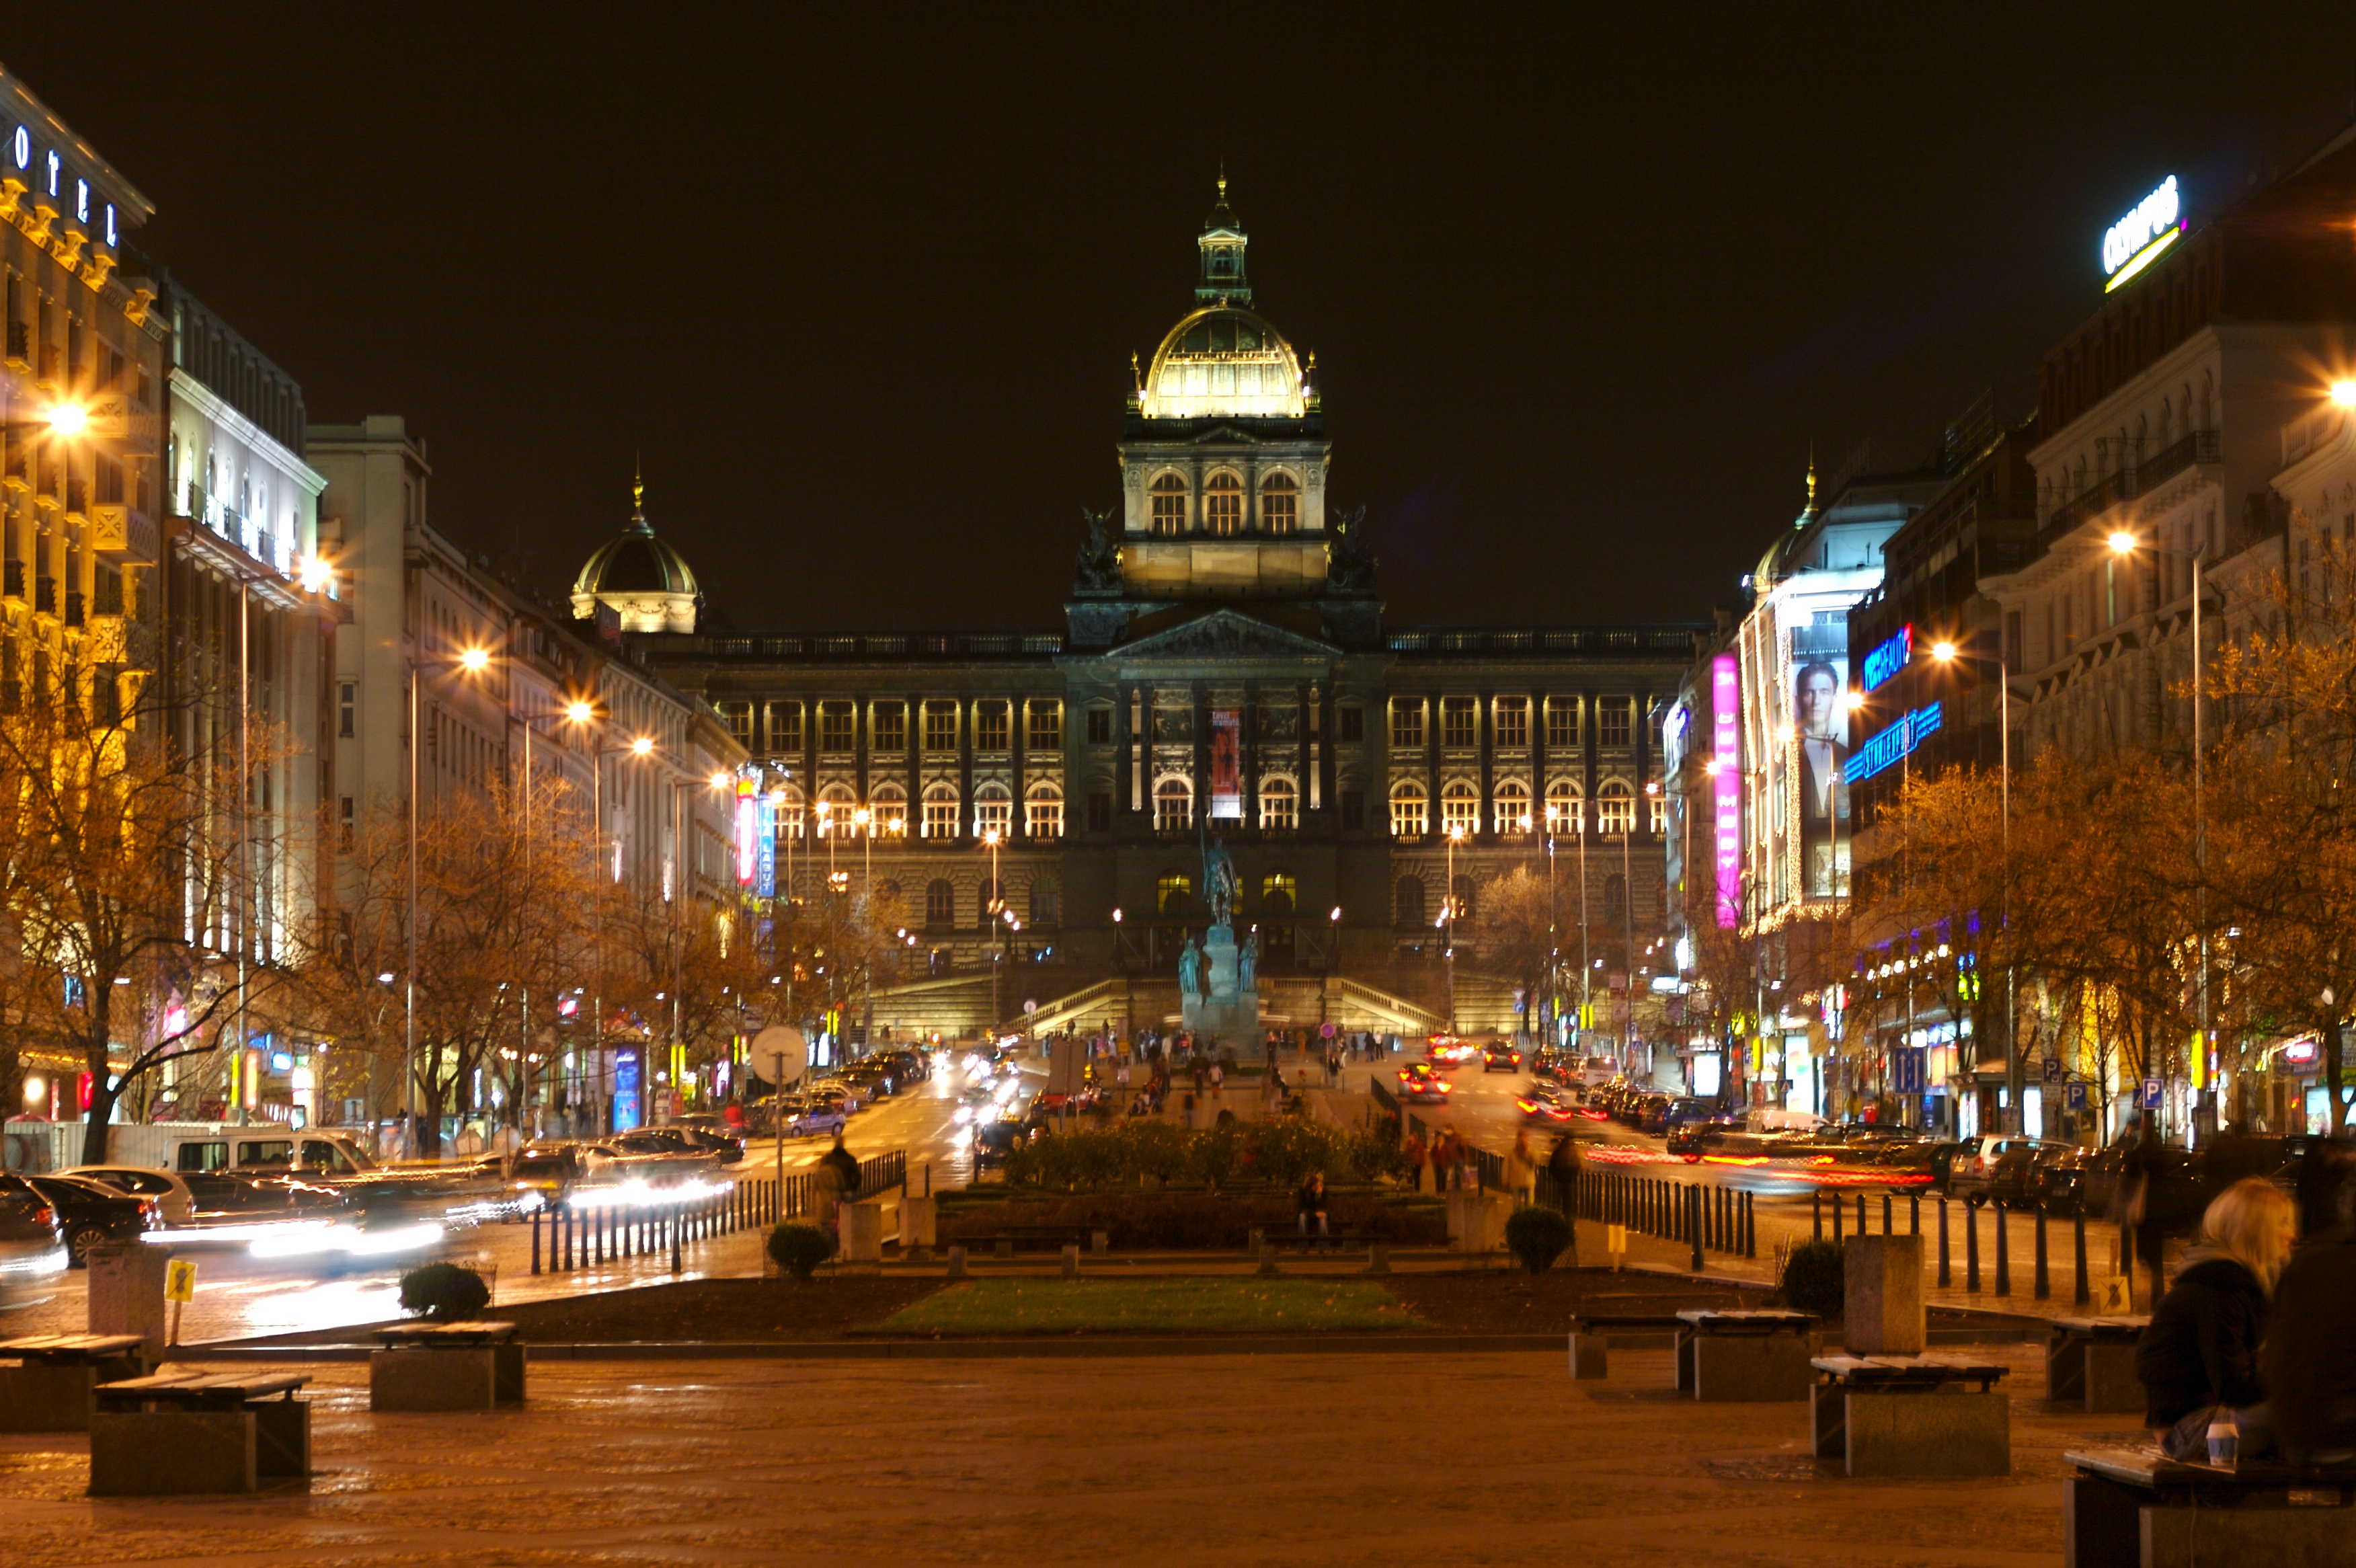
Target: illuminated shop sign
{"x":748,"y":823}
{"x":1725,"y":702}
{"x":23,"y":165}
{"x":1894,"y":742}
{"x":1889,"y":659}
{"x":2136,"y":241}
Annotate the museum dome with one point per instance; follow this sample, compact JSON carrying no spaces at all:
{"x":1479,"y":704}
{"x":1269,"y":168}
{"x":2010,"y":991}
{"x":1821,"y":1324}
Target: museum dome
{"x":647,"y":583}
{"x":1223,"y":360}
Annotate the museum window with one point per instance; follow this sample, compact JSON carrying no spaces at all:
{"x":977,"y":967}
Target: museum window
{"x":1099,"y":726}
{"x":1614,"y":720}
{"x":1099,"y":811}
{"x":1280,"y":505}
{"x":1354,"y":810}
{"x":890,"y":804}
{"x":1460,"y":808}
{"x":1173,"y":894}
{"x":738,"y":717}
{"x":1616,"y":809}
{"x":940,"y":902}
{"x":1046,"y":902}
{"x":1658,"y":813}
{"x":1562,"y":812}
{"x":990,"y":726}
{"x":788,"y":802}
{"x":1045,"y":729}
{"x":940,"y":812}
{"x":1562,"y":723}
{"x":1279,"y":894}
{"x":941,"y":727}
{"x":1407,"y":901}
{"x":347,"y":702}
{"x":1278,"y":804}
{"x":1173,"y":805}
{"x":1044,"y":813}
{"x":1223,"y":505}
{"x":1458,"y":723}
{"x":1512,"y":807}
{"x":989,"y":897}
{"x":1352,"y":722}
{"x":835,"y":804}
{"x":1408,"y":820}
{"x":785,"y":726}
{"x":888,"y":727}
{"x":1460,"y":903}
{"x":836,"y":728}
{"x":1513,"y":723}
{"x":994,"y":810}
{"x":1169,"y":507}
{"x":1406,"y":724}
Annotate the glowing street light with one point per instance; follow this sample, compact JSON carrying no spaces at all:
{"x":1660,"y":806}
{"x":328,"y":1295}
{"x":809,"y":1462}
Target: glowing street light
{"x":2344,"y":393}
{"x":67,"y":418}
{"x":642,"y":746}
{"x":580,"y":713}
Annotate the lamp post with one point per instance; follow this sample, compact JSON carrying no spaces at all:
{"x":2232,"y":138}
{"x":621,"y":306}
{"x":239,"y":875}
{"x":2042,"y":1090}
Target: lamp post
{"x":990,"y":906}
{"x":575,"y":713}
{"x":2015,"y":1070}
{"x":472,"y":660}
{"x":1447,"y":951}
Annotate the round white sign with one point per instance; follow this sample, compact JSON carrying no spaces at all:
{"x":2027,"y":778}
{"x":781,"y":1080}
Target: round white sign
{"x":780,"y":1040}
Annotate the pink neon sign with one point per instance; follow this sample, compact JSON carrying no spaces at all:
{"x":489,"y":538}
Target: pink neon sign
{"x":1726,"y":743}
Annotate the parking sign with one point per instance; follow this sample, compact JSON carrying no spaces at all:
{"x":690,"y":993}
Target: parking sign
{"x":2074,"y":1097}
{"x":2052,"y":1069}
{"x":2149,"y":1098}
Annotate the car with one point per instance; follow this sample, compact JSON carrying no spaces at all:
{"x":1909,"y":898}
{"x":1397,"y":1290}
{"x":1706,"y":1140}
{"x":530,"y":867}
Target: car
{"x":1450,"y":1048}
{"x":1500,"y":1056}
{"x":90,"y":1213}
{"x":1653,"y":1113}
{"x":992,"y":1140}
{"x":224,"y":1195}
{"x":1546,"y":1102}
{"x":817,"y":1116}
{"x":1995,"y":1168}
{"x":1694,"y":1137}
{"x":175,"y":1204}
{"x":30,"y":1245}
{"x":553,"y":1170}
{"x":1420,"y":1084}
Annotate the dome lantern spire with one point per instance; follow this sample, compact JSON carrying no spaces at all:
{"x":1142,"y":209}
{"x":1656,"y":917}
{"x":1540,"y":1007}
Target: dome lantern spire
{"x":1224,"y":280}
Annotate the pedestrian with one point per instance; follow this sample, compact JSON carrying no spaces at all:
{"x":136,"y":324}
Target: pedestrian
{"x":1521,"y":1170}
{"x":1416,"y":1155}
{"x":1563,"y":1167}
{"x":1310,"y":1204}
{"x":2308,"y":1360}
{"x":2198,"y":1358}
{"x":2322,"y":1172}
{"x":2145,"y":1196}
{"x":1275,"y":1089}
{"x":1218,"y":1076}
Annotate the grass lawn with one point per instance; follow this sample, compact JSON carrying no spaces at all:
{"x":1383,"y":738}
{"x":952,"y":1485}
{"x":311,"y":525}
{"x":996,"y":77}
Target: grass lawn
{"x":1151,"y":1306}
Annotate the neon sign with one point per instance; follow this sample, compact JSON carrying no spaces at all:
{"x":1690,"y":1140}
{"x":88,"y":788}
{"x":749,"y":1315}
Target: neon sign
{"x":1725,"y":702}
{"x":1887,"y":659}
{"x":1897,"y":741}
{"x":2136,"y":241}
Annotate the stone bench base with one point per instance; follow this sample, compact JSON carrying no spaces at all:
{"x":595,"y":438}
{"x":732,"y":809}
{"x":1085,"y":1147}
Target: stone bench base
{"x":2097,"y":1374}
{"x":37,"y":1397}
{"x":445,"y":1377}
{"x":2108,"y":1525}
{"x":1941,"y":1431}
{"x":169,"y":1453}
{"x":1745,"y":1368}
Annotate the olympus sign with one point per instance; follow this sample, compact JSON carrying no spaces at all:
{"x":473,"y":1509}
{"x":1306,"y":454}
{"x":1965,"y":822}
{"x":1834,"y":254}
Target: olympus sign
{"x":2142,"y":232}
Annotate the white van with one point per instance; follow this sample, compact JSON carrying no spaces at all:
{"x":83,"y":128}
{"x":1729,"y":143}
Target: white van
{"x":269,"y":1150}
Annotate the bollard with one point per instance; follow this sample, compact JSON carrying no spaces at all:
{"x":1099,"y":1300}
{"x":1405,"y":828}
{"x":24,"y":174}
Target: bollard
{"x":1946,"y":1277}
{"x":1861,"y":1214}
{"x":956,"y":1264}
{"x":1750,"y":1225}
{"x":1885,"y":1213}
{"x":1693,"y":1224}
{"x":535,"y":1241}
{"x":2043,"y":1288}
{"x":1838,"y":1207}
{"x":2085,"y":1294}
{"x":1970,"y":1248}
{"x":2003,"y":1257}
{"x":674,"y":1238}
{"x":1817,"y":1212}
{"x":1913,"y":1214}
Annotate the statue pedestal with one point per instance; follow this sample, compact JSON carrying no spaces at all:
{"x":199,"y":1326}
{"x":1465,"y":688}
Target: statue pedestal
{"x":1224,"y":1012}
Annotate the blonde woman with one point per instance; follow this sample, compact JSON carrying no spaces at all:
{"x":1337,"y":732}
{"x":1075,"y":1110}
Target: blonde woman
{"x":2200,"y":1353}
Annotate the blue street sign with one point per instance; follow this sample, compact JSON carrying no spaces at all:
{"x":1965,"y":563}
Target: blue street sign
{"x":2075,"y":1097}
{"x":2052,"y":1069}
{"x":2149,"y":1098}
{"x":1906,"y":1066}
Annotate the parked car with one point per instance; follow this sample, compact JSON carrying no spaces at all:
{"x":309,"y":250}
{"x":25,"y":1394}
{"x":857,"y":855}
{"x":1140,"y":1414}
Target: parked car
{"x":175,"y":1205}
{"x":992,"y":1140}
{"x":815,"y":1116}
{"x":1498,"y":1056}
{"x":90,"y":1213}
{"x":1996,"y":1167}
{"x":1696,"y":1136}
{"x":553,"y":1170}
{"x":1652,"y":1113}
{"x":1545,"y":1102}
{"x":1420,"y":1084}
{"x":29,"y":1244}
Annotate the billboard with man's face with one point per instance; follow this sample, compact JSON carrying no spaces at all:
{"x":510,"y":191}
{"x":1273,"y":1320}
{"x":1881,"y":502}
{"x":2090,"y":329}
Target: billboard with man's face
{"x":1795,"y":679}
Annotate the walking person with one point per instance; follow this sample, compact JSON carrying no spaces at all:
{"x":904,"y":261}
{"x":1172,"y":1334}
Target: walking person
{"x":1521,"y":1170}
{"x":1218,"y":1078}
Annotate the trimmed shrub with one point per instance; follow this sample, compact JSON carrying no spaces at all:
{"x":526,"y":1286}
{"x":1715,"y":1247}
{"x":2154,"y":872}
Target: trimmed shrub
{"x":1538,"y":1237}
{"x":443,"y":1293}
{"x":1373,"y":1153}
{"x":1816,"y":1279}
{"x":799,"y":1248}
{"x":1179,"y":1221}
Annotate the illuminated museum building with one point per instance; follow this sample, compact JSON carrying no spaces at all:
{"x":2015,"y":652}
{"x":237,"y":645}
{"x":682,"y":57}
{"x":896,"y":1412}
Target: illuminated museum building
{"x":1224,"y":665}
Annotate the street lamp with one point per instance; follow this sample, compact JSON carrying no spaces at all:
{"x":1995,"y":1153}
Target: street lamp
{"x":575,"y":713}
{"x":473,"y":662}
{"x":2015,"y":1070}
{"x":991,"y":908}
{"x":1448,"y":952}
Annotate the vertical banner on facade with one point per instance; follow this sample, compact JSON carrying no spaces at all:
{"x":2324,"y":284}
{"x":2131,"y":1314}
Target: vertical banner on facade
{"x":1226,"y":763}
{"x":765,"y":850}
{"x":1820,"y":754}
{"x":748,"y":821}
{"x":1726,"y":743}
{"x":627,"y":1109}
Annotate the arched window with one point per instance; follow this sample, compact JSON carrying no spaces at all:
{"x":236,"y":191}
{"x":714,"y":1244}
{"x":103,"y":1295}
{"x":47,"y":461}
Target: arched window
{"x":1616,"y":809}
{"x":1046,"y":902}
{"x":890,"y":804}
{"x":1279,"y":803}
{"x":940,"y":811}
{"x":940,"y":903}
{"x":1169,"y":507}
{"x":788,"y":802}
{"x":1462,"y":895}
{"x":1223,"y":505}
{"x":1407,"y":901}
{"x":1173,"y":894}
{"x":1408,"y":818}
{"x":1460,"y":808}
{"x":1280,"y":505}
{"x":1615,"y":899}
{"x":1173,"y":805}
{"x":1044,"y":812}
{"x":1280,"y":894}
{"x":1659,"y":813}
{"x":835,"y":804}
{"x":993,"y":809}
{"x":991,"y":898}
{"x":1512,"y":807}
{"x":884,"y":903}
{"x":1562,"y":808}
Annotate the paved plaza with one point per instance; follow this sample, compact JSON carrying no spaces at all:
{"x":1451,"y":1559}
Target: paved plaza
{"x":1301,"y":1459}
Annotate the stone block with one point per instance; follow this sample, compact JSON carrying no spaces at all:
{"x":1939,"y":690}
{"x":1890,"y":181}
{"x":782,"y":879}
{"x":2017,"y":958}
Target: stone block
{"x":2112,"y":1386}
{"x":38,"y":1398}
{"x":1071,"y":1262}
{"x":434,"y":1377}
{"x":2278,"y":1537}
{"x":1750,"y":1368}
{"x":1379,"y":1259}
{"x":1591,"y":1357}
{"x":152,"y":1454}
{"x":918,"y":1222}
{"x":1882,"y":1299}
{"x":956,"y":1264}
{"x":860,"y":1227}
{"x":126,"y":1293}
{"x":1941,"y":1431}
{"x":281,"y":1439}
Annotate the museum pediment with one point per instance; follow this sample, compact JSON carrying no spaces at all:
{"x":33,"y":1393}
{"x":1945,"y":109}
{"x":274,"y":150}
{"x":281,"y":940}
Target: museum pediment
{"x":1226,"y":634}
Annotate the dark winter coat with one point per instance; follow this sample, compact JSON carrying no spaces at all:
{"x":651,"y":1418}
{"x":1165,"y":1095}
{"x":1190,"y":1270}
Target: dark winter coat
{"x":2310,"y":1353}
{"x":2202,"y":1345}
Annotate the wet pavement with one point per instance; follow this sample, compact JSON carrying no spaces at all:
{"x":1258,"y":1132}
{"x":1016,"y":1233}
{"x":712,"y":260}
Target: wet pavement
{"x":892,"y":1463}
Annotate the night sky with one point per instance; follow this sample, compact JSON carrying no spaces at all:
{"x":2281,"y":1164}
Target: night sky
{"x":862,"y":283}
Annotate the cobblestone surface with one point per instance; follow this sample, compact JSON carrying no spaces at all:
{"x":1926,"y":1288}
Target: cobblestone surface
{"x":1298,"y":1459}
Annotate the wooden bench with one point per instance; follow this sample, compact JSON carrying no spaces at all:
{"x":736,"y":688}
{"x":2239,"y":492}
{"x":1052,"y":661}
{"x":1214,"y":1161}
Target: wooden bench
{"x":2091,"y":1361}
{"x":1911,"y":1415}
{"x":445,"y":1366}
{"x":2131,"y":1507}
{"x":1003,"y":1240}
{"x":50,"y":1388}
{"x":189,"y":1431}
{"x":1590,"y":1338}
{"x":1745,"y":1357}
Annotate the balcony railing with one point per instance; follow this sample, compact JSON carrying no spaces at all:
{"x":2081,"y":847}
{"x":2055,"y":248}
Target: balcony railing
{"x":21,"y":343}
{"x":73,"y":610}
{"x":2199,"y":447}
{"x":44,"y":595}
{"x":15,"y":588}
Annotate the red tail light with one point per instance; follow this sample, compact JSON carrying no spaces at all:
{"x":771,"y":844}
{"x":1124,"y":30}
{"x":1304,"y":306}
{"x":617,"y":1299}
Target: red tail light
{"x":45,"y":1215}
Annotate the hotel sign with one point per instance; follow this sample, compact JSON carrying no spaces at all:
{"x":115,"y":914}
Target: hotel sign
{"x":2136,"y":241}
{"x":1889,"y":657}
{"x":1897,"y":741}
